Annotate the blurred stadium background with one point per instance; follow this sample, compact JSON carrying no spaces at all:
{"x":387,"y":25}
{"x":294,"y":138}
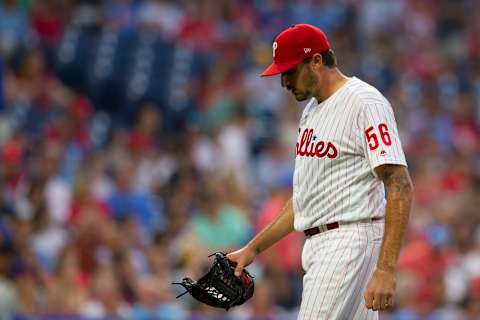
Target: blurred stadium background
{"x":136,"y":137}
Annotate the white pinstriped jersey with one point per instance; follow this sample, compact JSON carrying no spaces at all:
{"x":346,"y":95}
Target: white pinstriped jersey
{"x":340,"y":142}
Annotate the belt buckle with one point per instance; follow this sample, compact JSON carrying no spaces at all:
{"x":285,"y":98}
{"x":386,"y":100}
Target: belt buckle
{"x":322,"y":228}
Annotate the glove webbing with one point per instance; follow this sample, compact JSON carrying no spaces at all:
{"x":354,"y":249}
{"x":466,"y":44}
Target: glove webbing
{"x":216,"y":288}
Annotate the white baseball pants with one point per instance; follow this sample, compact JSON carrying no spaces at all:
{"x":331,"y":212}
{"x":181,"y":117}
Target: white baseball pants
{"x":338,"y":264}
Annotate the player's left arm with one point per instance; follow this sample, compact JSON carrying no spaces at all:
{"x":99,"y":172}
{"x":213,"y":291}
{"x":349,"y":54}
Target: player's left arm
{"x":399,"y":188}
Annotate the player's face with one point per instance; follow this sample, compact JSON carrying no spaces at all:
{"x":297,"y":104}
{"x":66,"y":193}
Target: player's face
{"x":300,"y":80}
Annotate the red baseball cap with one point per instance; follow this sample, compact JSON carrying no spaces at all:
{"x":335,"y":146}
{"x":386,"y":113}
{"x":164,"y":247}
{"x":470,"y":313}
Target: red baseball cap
{"x":295,"y":44}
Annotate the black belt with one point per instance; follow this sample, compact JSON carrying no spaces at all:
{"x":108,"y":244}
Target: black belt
{"x":334,"y":225}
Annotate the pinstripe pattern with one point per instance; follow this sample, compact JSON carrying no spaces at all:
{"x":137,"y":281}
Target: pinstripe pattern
{"x":338,"y":265}
{"x":334,"y":181}
{"x":344,"y":188}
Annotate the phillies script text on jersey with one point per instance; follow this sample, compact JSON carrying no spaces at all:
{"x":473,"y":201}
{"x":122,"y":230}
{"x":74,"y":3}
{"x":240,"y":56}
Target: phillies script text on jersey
{"x":319,"y":149}
{"x":339,"y":144}
{"x":335,"y":181}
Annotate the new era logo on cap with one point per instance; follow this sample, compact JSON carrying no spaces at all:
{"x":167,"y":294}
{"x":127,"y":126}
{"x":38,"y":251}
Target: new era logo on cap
{"x":295,"y":44}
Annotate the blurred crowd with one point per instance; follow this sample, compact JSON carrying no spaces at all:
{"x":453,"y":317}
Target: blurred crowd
{"x":110,"y":191}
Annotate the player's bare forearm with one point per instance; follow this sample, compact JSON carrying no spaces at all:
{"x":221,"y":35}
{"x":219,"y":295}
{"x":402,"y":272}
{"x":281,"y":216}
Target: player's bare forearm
{"x":276,"y":230}
{"x":399,"y":198}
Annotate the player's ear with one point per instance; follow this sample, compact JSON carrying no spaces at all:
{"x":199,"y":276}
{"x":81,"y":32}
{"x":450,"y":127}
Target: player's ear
{"x":317,"y":61}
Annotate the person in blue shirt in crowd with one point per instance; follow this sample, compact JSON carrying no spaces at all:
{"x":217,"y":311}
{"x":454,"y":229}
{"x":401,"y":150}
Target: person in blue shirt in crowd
{"x":126,"y":201}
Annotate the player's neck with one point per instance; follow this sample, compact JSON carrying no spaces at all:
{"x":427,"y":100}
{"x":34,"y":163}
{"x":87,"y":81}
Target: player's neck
{"x":331,"y":81}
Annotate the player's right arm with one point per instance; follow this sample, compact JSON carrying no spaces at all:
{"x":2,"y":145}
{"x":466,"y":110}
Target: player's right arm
{"x":276,"y":230}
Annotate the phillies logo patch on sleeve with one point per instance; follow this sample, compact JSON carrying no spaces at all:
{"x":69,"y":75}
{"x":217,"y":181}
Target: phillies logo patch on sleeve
{"x":312,"y":146}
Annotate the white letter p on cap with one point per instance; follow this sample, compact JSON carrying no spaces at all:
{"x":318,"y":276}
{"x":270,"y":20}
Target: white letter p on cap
{"x":275,"y":46}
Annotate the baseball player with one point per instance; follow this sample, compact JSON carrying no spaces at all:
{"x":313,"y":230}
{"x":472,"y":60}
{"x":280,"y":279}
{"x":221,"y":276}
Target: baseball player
{"x":351,"y":191}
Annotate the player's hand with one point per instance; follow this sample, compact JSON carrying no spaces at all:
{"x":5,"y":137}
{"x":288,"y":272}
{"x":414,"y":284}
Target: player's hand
{"x":380,"y":290}
{"x":242,"y":258}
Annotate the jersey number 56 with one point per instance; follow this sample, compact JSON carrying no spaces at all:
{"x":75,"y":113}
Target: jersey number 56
{"x":372,"y":139}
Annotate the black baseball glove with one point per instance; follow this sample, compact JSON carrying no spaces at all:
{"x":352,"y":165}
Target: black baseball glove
{"x":219,"y":287}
